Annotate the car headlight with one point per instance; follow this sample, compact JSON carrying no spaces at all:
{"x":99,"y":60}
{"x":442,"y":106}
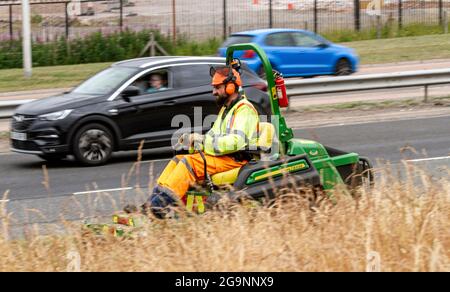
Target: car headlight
{"x":56,"y":115}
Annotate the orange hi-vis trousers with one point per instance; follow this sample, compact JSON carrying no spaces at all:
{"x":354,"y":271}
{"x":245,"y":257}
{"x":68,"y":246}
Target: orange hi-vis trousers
{"x":184,"y":170}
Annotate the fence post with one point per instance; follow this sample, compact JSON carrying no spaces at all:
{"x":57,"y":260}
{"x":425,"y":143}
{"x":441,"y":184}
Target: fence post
{"x":315,"y":16}
{"x":426,"y":94}
{"x":357,"y":15}
{"x":174,"y":22}
{"x":10,"y":23}
{"x":445,"y":21}
{"x":378,"y":18}
{"x":390,"y":24}
{"x":224,"y":19}
{"x":400,"y":14}
{"x":26,"y":39}
{"x":270,"y":14}
{"x":440,"y":12}
{"x":67,"y":20}
{"x":152,"y":45}
{"x":121,"y":15}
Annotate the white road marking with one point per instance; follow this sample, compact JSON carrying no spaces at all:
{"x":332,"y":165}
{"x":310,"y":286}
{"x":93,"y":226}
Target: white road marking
{"x":4,"y":201}
{"x":429,"y":159}
{"x":103,"y":191}
{"x":145,"y":161}
{"x":157,"y":160}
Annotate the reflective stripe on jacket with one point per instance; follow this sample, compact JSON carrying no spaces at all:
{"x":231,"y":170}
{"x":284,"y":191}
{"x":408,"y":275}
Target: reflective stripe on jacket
{"x":234,"y":130}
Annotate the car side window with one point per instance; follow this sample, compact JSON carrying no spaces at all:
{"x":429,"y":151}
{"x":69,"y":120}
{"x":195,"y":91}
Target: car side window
{"x":153,"y":82}
{"x":303,"y":40}
{"x":282,"y":39}
{"x":188,"y":76}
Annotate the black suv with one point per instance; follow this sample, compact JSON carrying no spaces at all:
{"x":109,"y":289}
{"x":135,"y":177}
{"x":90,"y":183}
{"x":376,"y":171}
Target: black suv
{"x":118,"y":108}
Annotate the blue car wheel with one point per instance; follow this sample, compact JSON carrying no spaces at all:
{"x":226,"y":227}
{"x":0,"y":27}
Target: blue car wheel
{"x":261,"y":73}
{"x":343,"y":67}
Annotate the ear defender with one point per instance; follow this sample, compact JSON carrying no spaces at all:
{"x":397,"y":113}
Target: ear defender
{"x":230,"y":82}
{"x":230,"y":88}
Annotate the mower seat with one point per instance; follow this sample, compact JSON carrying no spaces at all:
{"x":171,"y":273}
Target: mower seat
{"x":263,"y":144}
{"x":226,"y":177}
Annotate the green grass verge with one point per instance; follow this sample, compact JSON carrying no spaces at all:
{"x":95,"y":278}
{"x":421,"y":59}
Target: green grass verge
{"x":389,"y":30}
{"x":370,"y":51}
{"x":402,"y":49}
{"x":48,"y":77}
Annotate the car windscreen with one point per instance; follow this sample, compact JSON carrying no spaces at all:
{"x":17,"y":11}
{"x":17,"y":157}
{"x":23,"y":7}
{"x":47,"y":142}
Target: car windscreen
{"x":106,"y":81}
{"x":237,"y":39}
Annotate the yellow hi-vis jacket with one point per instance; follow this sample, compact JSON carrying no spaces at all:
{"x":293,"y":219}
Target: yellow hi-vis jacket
{"x":235,"y":129}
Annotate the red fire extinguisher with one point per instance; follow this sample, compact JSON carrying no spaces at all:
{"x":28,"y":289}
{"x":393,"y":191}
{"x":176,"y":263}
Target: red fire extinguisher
{"x":281,"y":90}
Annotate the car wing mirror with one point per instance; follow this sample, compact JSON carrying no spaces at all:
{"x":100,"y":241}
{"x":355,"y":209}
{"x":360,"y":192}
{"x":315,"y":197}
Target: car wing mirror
{"x":323,"y":45}
{"x":130,"y":91}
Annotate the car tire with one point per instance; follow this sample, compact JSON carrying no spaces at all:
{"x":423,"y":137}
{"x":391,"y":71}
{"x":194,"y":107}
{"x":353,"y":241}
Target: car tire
{"x":52,"y":157}
{"x":93,"y":145}
{"x":262,"y":74}
{"x":343,"y":68}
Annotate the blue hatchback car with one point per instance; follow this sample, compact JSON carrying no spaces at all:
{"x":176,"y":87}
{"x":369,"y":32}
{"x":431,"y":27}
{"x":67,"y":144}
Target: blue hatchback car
{"x":295,"y":52}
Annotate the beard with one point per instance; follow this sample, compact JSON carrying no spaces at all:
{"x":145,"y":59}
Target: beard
{"x":221,"y":99}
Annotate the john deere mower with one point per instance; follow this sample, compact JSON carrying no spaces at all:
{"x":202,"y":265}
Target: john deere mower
{"x":280,"y":160}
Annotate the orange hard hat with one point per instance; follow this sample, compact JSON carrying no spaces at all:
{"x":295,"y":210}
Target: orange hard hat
{"x":222,"y":75}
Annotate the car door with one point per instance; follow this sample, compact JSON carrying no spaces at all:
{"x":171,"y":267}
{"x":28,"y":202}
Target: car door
{"x":315,"y":57}
{"x":281,"y":49}
{"x":195,"y":99}
{"x":148,"y":116}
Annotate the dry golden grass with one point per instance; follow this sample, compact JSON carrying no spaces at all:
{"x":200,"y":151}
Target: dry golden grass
{"x":407,"y":223}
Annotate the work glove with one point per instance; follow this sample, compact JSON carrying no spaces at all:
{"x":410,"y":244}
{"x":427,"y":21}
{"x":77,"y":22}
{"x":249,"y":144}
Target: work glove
{"x":188,"y":140}
{"x":184,"y":140}
{"x":196,"y":139}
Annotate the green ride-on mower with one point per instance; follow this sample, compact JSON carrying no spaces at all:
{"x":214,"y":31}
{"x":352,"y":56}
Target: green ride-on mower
{"x":280,"y":161}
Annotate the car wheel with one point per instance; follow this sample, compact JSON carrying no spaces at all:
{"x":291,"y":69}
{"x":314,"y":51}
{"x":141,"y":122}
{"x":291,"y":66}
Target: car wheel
{"x":261,"y":73}
{"x":343,"y":68}
{"x":93,"y":145}
{"x":52,"y":157}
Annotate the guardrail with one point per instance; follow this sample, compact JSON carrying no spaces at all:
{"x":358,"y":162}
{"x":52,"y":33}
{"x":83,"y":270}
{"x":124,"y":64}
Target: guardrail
{"x":10,"y":100}
{"x":300,"y":87}
{"x":423,"y":78}
{"x":7,"y":107}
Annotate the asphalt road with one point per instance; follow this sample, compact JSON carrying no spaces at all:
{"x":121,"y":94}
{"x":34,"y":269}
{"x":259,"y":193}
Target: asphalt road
{"x":70,"y":190}
{"x":24,"y":177}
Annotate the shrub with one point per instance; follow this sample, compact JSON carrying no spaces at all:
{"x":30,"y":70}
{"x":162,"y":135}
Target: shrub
{"x":98,"y":47}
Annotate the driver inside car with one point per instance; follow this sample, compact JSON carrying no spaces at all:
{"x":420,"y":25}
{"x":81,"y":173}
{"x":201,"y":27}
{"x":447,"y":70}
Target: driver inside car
{"x":157,"y":83}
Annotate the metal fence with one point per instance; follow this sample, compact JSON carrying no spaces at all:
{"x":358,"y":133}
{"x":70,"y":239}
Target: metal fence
{"x":202,"y":19}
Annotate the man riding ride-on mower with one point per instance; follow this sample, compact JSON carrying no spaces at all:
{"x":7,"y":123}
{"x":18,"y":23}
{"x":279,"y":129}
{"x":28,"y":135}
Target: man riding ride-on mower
{"x":234,"y":131}
{"x":244,"y":158}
